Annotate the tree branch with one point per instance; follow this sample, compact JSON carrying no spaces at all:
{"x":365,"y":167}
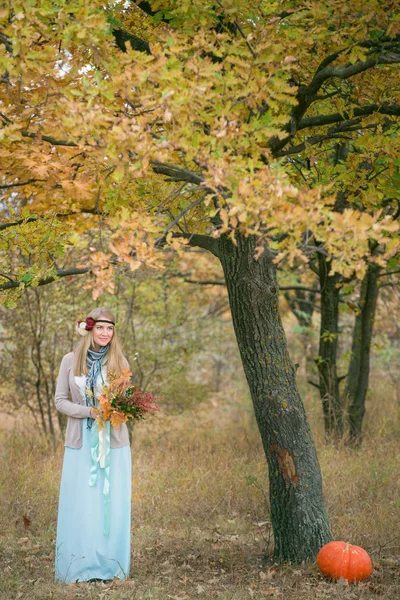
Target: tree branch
{"x":314,"y":384}
{"x":33,"y":218}
{"x":307,"y":94}
{"x":393,"y":284}
{"x":46,"y":280}
{"x":349,"y":70}
{"x":310,"y":142}
{"x":299,"y":287}
{"x":175,"y":173}
{"x":186,"y":277}
{"x":203,"y":241}
{"x":194,"y":239}
{"x":332,"y":133}
{"x":388,"y":273}
{"x":239,"y":28}
{"x":205,"y":282}
{"x":320,"y":120}
{"x":121,"y":36}
{"x":146,"y":8}
{"x":5,"y":40}
{"x":183,"y":213}
{"x":48,"y":138}
{"x":10,"y":185}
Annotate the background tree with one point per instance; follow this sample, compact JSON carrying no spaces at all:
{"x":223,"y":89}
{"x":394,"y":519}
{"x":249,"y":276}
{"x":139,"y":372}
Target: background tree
{"x":168,"y":329}
{"x":360,"y":300}
{"x":214,"y":100}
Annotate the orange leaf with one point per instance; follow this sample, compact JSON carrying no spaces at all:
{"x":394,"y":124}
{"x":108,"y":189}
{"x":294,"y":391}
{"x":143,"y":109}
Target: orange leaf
{"x":117,"y":418}
{"x":102,"y":399}
{"x":106,"y":410}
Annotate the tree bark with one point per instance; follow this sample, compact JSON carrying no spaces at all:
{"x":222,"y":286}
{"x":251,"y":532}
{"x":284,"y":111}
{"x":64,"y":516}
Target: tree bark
{"x":359,"y":367}
{"x":327,"y":355}
{"x":298,"y":514}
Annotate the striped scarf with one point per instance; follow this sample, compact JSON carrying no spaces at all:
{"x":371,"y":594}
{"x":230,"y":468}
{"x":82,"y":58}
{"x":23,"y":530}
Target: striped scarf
{"x":94,"y":360}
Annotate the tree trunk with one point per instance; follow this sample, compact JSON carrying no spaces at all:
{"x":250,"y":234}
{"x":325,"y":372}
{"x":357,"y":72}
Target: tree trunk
{"x":326,"y":361}
{"x":302,"y":304}
{"x":298,"y":515}
{"x":358,"y":375}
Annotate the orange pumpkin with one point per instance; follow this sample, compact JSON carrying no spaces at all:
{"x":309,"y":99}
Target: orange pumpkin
{"x":339,"y":559}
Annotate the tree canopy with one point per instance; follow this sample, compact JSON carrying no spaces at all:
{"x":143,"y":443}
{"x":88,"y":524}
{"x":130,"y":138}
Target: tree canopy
{"x":129,"y":127}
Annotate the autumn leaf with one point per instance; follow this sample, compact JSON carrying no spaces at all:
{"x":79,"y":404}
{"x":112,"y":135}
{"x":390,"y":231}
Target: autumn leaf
{"x":117,"y":418}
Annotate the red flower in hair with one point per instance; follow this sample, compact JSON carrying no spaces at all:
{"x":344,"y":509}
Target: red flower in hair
{"x":89,"y":323}
{"x":82,"y":327}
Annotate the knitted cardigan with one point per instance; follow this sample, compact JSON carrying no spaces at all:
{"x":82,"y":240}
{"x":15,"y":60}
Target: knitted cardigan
{"x":76,"y":410}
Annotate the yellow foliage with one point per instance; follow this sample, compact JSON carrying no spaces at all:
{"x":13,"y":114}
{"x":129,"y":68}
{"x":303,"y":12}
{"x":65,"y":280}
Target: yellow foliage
{"x":117,"y":418}
{"x":203,"y":131}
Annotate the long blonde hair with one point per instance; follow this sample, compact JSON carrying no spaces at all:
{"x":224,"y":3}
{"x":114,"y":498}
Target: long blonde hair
{"x":115,"y":360}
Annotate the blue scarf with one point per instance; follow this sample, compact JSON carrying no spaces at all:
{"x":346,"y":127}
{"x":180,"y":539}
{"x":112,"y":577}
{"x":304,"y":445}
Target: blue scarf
{"x":94,"y":360}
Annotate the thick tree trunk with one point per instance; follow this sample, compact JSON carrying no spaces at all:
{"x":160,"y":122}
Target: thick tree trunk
{"x":298,"y":513}
{"x":327,"y":355}
{"x":358,"y":375}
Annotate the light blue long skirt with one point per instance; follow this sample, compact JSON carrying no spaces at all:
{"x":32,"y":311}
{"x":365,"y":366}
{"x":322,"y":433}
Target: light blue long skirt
{"x":82,"y":550}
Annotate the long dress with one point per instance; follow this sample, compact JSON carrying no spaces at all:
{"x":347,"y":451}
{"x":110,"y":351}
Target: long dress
{"x":83,"y":552}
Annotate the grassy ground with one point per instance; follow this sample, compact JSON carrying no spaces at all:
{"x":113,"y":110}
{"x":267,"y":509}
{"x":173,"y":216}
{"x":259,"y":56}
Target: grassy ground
{"x":200,"y":519}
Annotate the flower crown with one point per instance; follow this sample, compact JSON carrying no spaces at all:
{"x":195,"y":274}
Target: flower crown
{"x":83,"y":327}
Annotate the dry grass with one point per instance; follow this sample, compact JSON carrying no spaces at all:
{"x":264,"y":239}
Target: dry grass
{"x":200,"y":525}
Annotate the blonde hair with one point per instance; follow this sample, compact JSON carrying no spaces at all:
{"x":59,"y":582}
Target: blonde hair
{"x":115,"y":359}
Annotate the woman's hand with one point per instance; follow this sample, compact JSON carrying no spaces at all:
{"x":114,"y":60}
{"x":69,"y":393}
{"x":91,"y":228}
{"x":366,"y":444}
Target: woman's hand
{"x":93,"y":413}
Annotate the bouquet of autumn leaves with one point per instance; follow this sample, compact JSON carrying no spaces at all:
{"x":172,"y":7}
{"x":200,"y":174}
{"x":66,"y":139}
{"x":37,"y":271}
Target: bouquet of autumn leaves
{"x":120,"y":401}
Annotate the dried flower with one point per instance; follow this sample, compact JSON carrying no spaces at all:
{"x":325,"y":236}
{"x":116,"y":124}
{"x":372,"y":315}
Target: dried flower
{"x":120,"y":401}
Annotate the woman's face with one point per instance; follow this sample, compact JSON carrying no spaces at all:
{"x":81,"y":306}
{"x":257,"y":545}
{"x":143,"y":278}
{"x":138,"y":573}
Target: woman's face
{"x":102,"y":333}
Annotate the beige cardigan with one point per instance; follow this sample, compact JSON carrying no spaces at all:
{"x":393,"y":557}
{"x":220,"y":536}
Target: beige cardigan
{"x":77,"y":411}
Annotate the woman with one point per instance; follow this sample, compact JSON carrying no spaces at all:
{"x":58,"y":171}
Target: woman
{"x":94,"y":512}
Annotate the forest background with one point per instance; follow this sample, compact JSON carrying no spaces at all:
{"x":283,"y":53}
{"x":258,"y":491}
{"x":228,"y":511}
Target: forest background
{"x":118,"y":233}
